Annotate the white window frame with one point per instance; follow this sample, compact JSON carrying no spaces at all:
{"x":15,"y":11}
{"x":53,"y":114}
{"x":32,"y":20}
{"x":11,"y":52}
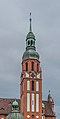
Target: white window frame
{"x":28,"y":102}
{"x":28,"y":85}
{"x":37,"y":102}
{"x":37,"y":86}
{"x":32,"y":102}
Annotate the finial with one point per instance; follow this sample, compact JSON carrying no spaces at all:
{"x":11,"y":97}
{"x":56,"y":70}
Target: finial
{"x":49,"y":91}
{"x":30,"y":14}
{"x":30,"y":23}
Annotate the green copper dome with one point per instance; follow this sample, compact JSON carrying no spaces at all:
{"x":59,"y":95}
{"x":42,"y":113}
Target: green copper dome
{"x":15,"y":106}
{"x":15,"y":114}
{"x":15,"y":103}
{"x":30,"y":52}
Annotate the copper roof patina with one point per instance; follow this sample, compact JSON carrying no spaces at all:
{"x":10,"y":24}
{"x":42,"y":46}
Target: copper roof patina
{"x":6,"y":107}
{"x":30,"y":52}
{"x":15,"y":114}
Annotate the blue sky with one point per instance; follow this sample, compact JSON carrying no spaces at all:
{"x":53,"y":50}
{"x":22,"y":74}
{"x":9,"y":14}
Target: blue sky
{"x":14,"y":26}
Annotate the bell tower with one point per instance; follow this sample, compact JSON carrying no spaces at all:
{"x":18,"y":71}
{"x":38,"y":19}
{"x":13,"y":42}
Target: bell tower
{"x":31,"y":80}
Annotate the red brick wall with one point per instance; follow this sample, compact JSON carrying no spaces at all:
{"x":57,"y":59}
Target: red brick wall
{"x":24,"y":80}
{"x":3,"y":116}
{"x":50,"y":117}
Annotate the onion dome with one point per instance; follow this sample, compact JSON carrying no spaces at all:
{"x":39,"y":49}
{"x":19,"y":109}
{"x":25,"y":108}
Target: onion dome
{"x":15,"y":103}
{"x":30,"y":52}
{"x":15,"y":114}
{"x":15,"y":106}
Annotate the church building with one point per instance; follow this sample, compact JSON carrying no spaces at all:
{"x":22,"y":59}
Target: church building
{"x":31,"y":104}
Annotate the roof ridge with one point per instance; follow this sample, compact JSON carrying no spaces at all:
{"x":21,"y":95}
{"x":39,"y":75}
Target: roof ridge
{"x":10,"y":98}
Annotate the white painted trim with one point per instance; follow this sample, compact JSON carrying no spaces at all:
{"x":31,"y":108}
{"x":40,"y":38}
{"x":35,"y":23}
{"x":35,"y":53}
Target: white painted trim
{"x":28,"y":102}
{"x":37,"y":102}
{"x":32,"y":102}
{"x":28,"y":85}
{"x":37,"y":86}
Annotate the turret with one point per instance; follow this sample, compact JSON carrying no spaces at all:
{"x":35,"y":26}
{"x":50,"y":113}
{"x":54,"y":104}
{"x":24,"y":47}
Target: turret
{"x":51,"y":101}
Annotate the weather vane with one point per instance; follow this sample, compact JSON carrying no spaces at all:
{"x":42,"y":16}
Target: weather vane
{"x":30,"y":23}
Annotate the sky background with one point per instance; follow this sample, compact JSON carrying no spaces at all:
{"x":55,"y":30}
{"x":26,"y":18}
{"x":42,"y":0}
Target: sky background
{"x":14,"y":26}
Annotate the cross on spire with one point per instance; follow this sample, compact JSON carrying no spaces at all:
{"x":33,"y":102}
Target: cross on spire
{"x":49,"y":91}
{"x":30,"y":23}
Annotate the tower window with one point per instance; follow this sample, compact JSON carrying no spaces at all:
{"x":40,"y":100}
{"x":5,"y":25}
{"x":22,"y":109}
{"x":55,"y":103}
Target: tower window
{"x":34,"y":42}
{"x":28,"y":85}
{"x":26,"y":66}
{"x":37,"y":67}
{"x":37,"y":102}
{"x":28,"y":102}
{"x":32,"y":85}
{"x":28,"y":42}
{"x":31,"y":42}
{"x":32,"y":101}
{"x":32,"y":66}
{"x":32,"y":116}
{"x":37,"y":86}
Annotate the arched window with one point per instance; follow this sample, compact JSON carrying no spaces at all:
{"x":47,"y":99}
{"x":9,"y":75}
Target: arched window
{"x":32,"y":66}
{"x":37,"y":67}
{"x":26,"y":66}
{"x":32,"y":116}
{"x":28,"y":85}
{"x":37,"y":86}
{"x":28,"y":42}
{"x":31,"y":42}
{"x":34,"y":42}
{"x":32,"y":85}
{"x":42,"y":111}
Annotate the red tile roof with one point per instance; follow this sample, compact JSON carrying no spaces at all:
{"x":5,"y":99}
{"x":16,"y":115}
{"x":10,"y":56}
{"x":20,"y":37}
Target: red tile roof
{"x":6,"y":106}
{"x":48,"y":109}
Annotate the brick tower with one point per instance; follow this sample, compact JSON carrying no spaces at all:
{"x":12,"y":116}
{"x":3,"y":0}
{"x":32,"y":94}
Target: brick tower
{"x":31,"y":80}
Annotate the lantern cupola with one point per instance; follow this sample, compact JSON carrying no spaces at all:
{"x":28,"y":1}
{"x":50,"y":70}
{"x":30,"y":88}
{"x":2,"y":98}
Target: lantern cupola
{"x":30,"y":52}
